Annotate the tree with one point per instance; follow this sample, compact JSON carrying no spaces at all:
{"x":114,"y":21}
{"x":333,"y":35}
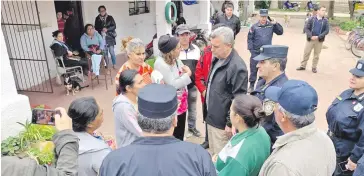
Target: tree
{"x":331,"y":10}
{"x":351,"y":9}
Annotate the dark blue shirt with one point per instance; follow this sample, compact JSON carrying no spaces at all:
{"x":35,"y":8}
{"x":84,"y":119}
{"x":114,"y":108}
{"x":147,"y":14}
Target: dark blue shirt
{"x":162,"y":156}
{"x":270,"y":125}
{"x":346,"y":121}
{"x":317,"y":26}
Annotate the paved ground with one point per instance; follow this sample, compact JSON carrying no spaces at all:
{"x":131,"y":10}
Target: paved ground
{"x":331,"y":79}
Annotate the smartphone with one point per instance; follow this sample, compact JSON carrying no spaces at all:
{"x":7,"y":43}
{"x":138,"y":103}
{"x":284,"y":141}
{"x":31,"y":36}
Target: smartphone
{"x":44,"y":116}
{"x":343,"y":166}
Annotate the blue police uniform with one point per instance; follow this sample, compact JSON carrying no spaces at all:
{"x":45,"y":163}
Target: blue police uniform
{"x":271,"y":51}
{"x":259,"y":35}
{"x":346,"y":124}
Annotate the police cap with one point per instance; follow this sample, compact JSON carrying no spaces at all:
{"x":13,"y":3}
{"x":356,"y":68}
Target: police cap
{"x":272,"y":51}
{"x":263,"y":12}
{"x":359,"y":69}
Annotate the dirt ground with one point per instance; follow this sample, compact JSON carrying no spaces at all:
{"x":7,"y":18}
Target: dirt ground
{"x":331,"y":79}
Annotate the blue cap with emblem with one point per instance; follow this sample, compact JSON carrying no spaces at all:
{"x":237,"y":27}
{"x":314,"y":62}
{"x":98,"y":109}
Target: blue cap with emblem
{"x":359,"y":69}
{"x":295,"y":96}
{"x":272,"y":51}
{"x":263,"y":12}
{"x":157,"y":101}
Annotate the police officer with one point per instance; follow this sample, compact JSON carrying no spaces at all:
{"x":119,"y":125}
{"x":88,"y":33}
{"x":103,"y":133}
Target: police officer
{"x":271,"y":65}
{"x":260,"y":34}
{"x":346,"y":123}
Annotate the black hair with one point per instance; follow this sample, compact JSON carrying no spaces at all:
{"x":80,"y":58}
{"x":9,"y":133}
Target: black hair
{"x":83,"y":111}
{"x":249,"y":108}
{"x":86,"y":26}
{"x":55,"y":33}
{"x":126,"y":79}
{"x":101,"y":7}
{"x":223,"y":7}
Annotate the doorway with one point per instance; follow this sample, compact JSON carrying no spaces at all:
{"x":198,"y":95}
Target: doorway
{"x":73,"y":22}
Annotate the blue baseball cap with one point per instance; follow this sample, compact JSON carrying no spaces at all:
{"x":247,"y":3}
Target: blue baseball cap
{"x":359,"y":69}
{"x":295,"y":96}
{"x":263,"y":12}
{"x":272,"y":51}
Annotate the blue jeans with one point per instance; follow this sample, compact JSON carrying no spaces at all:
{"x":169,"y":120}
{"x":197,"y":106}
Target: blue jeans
{"x":112,"y":53}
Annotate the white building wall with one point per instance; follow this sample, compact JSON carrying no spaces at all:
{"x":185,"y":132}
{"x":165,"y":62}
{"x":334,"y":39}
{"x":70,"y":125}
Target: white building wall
{"x":142,"y":26}
{"x":14,"y":107}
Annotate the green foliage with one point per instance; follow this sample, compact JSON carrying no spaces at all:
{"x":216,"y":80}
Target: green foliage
{"x":264,"y":4}
{"x":23,"y":143}
{"x":348,"y":25}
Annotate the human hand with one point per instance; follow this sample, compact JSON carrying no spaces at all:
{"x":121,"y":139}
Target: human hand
{"x":104,"y":30}
{"x":69,"y":53}
{"x":273,"y":21}
{"x":214,"y":158}
{"x":62,"y":122}
{"x":228,"y":131}
{"x":204,"y":93}
{"x":314,"y":38}
{"x":187,"y":70}
{"x":351,"y":165}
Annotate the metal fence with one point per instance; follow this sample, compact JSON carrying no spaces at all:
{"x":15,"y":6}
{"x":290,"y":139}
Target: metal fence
{"x":23,"y":36}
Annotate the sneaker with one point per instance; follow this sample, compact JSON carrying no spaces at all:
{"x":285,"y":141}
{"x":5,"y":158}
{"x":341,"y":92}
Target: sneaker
{"x":194,"y":132}
{"x":205,"y":145}
{"x":314,"y":70}
{"x":300,"y":68}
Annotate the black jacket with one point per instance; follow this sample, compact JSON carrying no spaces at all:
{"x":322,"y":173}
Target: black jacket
{"x":233,"y":22}
{"x":229,"y":80}
{"x":324,"y":29}
{"x":60,"y":50}
{"x":110,"y":25}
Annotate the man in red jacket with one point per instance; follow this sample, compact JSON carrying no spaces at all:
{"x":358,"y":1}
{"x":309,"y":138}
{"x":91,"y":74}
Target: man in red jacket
{"x":201,"y":76}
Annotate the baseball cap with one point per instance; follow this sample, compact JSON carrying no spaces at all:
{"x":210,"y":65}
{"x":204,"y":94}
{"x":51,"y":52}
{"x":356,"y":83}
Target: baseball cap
{"x":182,"y":28}
{"x":263,"y":12}
{"x":295,"y":96}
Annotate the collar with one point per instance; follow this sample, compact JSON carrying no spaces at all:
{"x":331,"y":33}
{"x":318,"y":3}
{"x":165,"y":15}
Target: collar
{"x":296,"y":135}
{"x":227,"y":60}
{"x":228,"y":17}
{"x":357,"y":97}
{"x":260,"y":24}
{"x":273,"y":81}
{"x":240,"y":136}
{"x":190,"y":47}
{"x":317,"y":17}
{"x":156,"y":140}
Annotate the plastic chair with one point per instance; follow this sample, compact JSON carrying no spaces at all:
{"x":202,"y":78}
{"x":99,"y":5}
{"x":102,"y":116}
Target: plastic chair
{"x":104,"y":70}
{"x":65,"y":70}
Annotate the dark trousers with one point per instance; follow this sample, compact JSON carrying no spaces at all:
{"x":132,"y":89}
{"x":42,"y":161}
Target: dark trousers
{"x":253,"y":68}
{"x":204,"y":114}
{"x":179,"y":131}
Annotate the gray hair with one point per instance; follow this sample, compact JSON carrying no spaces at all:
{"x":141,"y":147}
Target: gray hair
{"x":133,"y":44}
{"x":282,"y":62}
{"x":226,"y":34}
{"x":297,"y":120}
{"x":156,"y":126}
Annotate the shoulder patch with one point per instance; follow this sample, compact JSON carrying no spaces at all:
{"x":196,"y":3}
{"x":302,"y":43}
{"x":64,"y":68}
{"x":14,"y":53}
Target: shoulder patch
{"x":339,"y":98}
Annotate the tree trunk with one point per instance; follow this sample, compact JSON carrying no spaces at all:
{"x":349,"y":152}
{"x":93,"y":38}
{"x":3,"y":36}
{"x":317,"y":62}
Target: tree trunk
{"x":351,"y":9}
{"x":331,"y":9}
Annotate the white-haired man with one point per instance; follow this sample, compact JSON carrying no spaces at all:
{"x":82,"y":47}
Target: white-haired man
{"x":228,"y":77}
{"x":158,"y":152}
{"x":303,"y":149}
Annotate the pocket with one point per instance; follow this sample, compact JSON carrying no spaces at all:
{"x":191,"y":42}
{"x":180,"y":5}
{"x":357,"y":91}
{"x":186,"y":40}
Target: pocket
{"x":349,"y":119}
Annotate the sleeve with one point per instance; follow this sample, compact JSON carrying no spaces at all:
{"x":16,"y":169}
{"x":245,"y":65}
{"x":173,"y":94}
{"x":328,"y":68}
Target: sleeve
{"x":199,"y":78}
{"x":101,"y":41}
{"x":206,"y":165}
{"x":232,"y":167}
{"x":279,"y":169}
{"x":359,"y":171}
{"x":251,"y":35}
{"x":123,"y":115}
{"x":58,"y":50}
{"x":66,"y":143}
{"x":308,"y":28}
{"x":98,"y":158}
{"x":112,"y":26}
{"x":238,"y":26}
{"x":358,"y":150}
{"x":98,"y":26}
{"x":164,"y":69}
{"x":278,"y":29}
{"x":83,"y":44}
{"x":326,"y":31}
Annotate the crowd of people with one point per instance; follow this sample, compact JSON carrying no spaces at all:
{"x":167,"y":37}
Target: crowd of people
{"x":266,"y":129}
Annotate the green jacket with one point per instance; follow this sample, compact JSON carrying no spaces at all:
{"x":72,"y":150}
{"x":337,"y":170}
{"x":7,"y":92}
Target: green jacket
{"x":244,"y":154}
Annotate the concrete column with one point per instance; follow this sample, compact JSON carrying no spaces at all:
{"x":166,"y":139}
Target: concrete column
{"x":236,"y":7}
{"x":14,"y":107}
{"x":161,"y":23}
{"x":204,"y":7}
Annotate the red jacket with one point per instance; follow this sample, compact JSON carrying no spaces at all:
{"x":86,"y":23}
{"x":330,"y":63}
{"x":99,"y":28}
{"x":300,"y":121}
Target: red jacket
{"x":202,"y":70}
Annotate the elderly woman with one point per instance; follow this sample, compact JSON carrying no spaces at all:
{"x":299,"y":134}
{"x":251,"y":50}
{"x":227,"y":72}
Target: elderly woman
{"x":175,"y":74}
{"x":246,"y":152}
{"x":125,"y":108}
{"x":346,"y":123}
{"x":87,"y":116}
{"x":135,"y":51}
{"x":91,"y":41}
{"x":61,"y":50}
